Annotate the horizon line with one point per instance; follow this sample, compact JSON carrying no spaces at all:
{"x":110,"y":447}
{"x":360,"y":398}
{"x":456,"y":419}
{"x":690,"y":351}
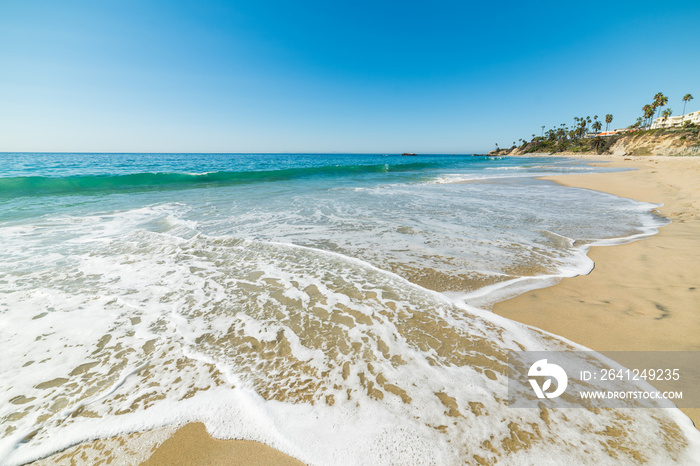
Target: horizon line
{"x":242,"y":153}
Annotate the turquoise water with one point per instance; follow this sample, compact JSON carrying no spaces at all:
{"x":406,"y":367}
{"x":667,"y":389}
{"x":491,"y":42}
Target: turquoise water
{"x":313,"y":302}
{"x":468,"y":221}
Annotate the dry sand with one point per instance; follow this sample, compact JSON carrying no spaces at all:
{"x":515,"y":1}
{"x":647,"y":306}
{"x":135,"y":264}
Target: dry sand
{"x":643,"y":295}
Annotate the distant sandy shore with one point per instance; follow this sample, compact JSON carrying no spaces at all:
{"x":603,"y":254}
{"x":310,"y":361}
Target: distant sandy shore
{"x":640,"y":296}
{"x":643,"y":295}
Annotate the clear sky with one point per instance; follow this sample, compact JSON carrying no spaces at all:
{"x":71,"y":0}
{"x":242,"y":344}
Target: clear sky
{"x":331,"y":75}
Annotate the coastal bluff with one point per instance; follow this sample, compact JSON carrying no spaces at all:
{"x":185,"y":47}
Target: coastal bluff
{"x":676,"y":141}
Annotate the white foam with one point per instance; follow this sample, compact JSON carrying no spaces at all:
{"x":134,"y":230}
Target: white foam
{"x":579,"y":264}
{"x":251,"y":335}
{"x":466,"y":177}
{"x":361,"y":430}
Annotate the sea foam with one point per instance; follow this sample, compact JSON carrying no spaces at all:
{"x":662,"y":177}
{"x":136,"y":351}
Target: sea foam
{"x":308,"y":315}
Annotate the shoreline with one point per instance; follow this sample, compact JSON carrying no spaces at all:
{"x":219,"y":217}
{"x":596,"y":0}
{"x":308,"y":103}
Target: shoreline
{"x":588,"y":323}
{"x":641,"y":295}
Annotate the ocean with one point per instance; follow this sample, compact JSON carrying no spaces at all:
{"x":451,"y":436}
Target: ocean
{"x":333,"y":306}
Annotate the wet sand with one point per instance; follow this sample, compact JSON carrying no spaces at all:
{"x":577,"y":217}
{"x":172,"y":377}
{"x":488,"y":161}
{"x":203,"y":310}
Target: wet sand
{"x":643,"y":295}
{"x":193,"y":445}
{"x":640,"y":296}
{"x":170,"y":446}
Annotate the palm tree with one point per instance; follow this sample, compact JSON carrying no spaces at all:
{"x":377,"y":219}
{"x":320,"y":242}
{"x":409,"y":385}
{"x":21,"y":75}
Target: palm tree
{"x":597,"y":144}
{"x":580,"y":127}
{"x":666,"y":113}
{"x":542,"y":130}
{"x":608,"y":120}
{"x":596,"y":126}
{"x":659,"y":101}
{"x":648,"y":113}
{"x":686,"y":98}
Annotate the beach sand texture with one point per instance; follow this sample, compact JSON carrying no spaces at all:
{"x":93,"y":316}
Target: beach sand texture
{"x":641,"y":296}
{"x":193,"y":445}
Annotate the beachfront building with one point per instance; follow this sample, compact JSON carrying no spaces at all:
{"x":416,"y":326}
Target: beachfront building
{"x":675,"y":121}
{"x":616,"y":131}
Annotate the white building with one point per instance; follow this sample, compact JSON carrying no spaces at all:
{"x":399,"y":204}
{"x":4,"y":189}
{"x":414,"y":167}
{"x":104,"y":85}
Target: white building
{"x":675,"y":121}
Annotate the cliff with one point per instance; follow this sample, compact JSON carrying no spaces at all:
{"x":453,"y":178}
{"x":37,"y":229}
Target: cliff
{"x":658,"y":142}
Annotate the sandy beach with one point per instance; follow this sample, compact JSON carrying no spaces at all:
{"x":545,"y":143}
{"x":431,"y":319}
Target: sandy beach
{"x":170,"y":446}
{"x":299,"y":234}
{"x":193,"y":445}
{"x":640,"y":296}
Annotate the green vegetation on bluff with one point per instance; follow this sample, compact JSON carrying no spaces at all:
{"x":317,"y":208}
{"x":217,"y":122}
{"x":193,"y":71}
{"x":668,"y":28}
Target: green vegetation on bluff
{"x":584,"y":135}
{"x":686,"y":136}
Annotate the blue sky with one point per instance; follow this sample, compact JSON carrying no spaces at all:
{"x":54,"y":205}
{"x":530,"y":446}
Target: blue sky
{"x":331,"y":76}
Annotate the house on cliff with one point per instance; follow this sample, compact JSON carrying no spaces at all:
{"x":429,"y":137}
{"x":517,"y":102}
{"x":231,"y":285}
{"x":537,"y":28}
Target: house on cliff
{"x":675,"y":121}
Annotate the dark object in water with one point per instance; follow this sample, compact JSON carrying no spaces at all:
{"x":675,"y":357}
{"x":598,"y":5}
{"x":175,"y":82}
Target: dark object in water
{"x":411,"y":154}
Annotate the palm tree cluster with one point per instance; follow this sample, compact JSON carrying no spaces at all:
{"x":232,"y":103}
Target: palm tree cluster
{"x":649,"y":110}
{"x":565,"y":137}
{"x":563,"y":133}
